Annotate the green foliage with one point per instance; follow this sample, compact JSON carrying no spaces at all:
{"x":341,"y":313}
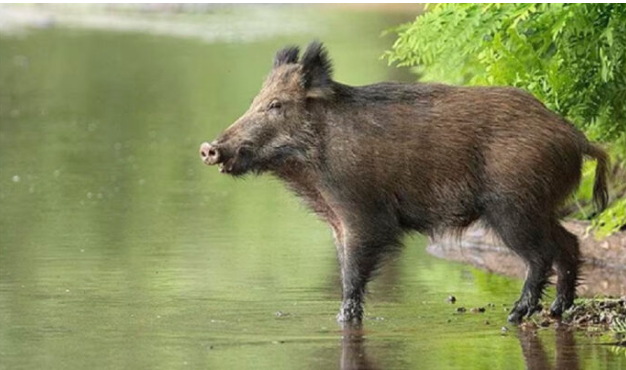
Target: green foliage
{"x":619,"y":327}
{"x":612,"y":219}
{"x":570,"y":56}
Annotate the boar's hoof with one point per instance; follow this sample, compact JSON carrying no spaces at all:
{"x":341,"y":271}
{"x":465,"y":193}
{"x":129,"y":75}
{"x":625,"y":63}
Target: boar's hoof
{"x":351,"y":312}
{"x":520,"y":310}
{"x":559,"y":306}
{"x":515,"y":317}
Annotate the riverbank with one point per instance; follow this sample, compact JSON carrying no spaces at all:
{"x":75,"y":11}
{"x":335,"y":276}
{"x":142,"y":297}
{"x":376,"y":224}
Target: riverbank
{"x":603,"y":271}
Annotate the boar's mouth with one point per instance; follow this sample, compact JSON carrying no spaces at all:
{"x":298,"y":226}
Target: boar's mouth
{"x":236,"y":162}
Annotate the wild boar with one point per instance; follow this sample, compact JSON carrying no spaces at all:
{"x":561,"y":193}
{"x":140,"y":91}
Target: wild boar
{"x":381,"y":160}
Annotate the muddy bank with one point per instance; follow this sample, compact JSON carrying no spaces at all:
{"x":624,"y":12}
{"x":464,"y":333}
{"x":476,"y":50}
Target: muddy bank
{"x":604,"y":270}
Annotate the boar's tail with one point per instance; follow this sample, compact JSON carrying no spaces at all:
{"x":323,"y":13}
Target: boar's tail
{"x":600,"y":192}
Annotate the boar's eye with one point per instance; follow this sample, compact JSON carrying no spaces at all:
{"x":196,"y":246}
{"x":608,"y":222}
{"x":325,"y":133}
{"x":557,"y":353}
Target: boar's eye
{"x":275,"y":105}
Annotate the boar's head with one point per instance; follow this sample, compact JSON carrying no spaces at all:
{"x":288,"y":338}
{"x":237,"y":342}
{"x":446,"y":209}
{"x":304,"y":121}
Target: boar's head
{"x":277,"y":127}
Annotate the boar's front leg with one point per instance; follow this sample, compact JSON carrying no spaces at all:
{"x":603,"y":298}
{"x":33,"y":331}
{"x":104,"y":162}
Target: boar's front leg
{"x":364,"y":244}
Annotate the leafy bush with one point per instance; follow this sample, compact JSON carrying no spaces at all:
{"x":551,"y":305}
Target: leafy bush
{"x":570,"y":56}
{"x":612,"y":219}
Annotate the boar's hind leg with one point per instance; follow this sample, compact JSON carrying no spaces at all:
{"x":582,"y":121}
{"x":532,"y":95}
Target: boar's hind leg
{"x":567,"y":264}
{"x":362,"y":254}
{"x":528,"y":236}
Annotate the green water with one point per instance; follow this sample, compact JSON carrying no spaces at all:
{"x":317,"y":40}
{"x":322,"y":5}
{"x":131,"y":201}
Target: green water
{"x":119,"y":249}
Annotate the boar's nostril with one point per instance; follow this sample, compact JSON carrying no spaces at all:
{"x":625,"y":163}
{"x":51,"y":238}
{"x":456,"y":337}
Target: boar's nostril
{"x":209,"y":153}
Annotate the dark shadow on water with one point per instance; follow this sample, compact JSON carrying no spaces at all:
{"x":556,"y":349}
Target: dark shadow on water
{"x":535,"y":355}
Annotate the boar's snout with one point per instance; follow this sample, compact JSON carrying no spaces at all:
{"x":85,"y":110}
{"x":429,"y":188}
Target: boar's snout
{"x":209,"y":154}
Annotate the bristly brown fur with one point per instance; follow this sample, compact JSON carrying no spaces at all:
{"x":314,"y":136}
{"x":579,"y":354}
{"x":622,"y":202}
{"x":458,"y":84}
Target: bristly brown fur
{"x":288,"y":55}
{"x":600,"y":194}
{"x":317,"y":69}
{"x":381,"y":160}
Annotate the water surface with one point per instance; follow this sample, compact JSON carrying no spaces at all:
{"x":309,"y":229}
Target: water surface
{"x":120,"y":249}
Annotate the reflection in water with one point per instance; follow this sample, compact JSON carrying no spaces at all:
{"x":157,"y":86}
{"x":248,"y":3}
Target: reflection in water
{"x":355,"y":356}
{"x":353,"y":351}
{"x":535,"y":354}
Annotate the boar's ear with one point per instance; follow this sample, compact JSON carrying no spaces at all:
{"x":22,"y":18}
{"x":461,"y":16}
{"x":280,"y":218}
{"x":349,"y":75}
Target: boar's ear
{"x":316,"y":71}
{"x":287,"y":55}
